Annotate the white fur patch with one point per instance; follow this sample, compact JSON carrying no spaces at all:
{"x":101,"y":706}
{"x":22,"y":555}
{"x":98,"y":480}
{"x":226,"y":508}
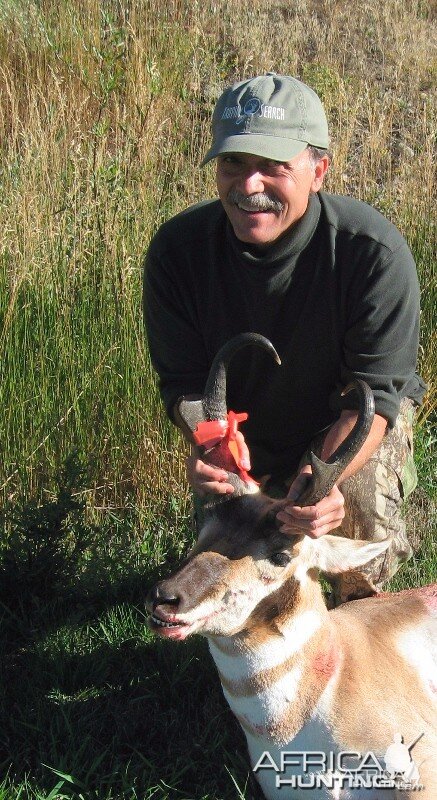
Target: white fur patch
{"x":265,"y":707}
{"x":208,"y":528}
{"x":271,"y":653}
{"x":299,"y":630}
{"x":419,"y":648}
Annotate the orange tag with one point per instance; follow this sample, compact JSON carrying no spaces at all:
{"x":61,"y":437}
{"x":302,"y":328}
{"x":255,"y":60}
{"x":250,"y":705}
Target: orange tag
{"x":211,"y":432}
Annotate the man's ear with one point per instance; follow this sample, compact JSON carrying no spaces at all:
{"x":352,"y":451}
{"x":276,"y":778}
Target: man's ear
{"x":320,"y":170}
{"x":335,"y":554}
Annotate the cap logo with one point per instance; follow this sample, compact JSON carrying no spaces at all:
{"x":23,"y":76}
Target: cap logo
{"x":252,"y":108}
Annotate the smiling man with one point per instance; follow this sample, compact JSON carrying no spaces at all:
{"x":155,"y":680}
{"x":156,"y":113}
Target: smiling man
{"x":329,"y":281}
{"x":263,"y":198}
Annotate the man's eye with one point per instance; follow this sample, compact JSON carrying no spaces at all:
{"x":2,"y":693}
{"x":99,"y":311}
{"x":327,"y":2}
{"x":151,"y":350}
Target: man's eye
{"x":280,"y":559}
{"x":230,"y":160}
{"x":275,"y":167}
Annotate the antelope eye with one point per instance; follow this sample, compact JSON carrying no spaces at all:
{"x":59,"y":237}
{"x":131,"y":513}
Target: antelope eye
{"x":280,"y":559}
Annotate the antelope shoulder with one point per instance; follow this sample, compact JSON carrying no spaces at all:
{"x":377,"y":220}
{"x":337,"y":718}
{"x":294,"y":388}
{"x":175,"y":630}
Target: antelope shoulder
{"x":387,"y":682}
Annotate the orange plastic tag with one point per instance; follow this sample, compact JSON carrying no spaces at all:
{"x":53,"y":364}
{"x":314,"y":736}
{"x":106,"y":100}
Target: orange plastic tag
{"x":210,"y":433}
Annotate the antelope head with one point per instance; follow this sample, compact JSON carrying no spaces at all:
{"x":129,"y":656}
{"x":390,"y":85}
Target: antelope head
{"x":244,"y":573}
{"x":242,"y":568}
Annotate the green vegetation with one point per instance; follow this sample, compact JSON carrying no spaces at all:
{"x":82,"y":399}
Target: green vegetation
{"x":104,"y":114}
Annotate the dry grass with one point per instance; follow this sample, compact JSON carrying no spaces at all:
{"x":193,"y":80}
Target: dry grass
{"x":104,"y":114}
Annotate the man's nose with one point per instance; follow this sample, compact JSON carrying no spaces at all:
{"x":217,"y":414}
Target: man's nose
{"x":251,"y":182}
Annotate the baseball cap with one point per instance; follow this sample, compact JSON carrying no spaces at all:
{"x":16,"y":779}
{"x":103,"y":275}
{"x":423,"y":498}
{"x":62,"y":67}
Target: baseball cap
{"x":272,"y":116}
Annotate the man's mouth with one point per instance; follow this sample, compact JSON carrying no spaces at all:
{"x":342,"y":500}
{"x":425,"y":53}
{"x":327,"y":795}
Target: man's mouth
{"x":259,"y":203}
{"x":249,"y":209}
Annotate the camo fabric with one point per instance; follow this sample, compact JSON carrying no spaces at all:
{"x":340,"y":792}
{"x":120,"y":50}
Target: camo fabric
{"x":373,"y":499}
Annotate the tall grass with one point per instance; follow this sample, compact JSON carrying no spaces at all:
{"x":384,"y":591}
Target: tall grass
{"x":104,"y":113}
{"x":104,"y":116}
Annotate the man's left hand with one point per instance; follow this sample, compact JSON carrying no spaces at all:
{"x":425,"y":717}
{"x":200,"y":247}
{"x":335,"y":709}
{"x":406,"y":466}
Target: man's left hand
{"x":316,"y":520}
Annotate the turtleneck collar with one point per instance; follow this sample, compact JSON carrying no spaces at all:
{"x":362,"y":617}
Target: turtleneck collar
{"x":289,"y":245}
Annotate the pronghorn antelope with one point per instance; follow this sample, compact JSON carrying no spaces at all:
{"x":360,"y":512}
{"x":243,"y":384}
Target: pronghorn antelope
{"x":319,"y":694}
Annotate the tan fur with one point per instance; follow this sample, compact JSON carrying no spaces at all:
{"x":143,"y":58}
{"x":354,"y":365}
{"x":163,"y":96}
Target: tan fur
{"x":318,"y":650}
{"x":348,"y":669}
{"x":372,"y":672}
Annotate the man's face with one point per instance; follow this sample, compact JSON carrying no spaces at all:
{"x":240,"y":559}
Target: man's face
{"x":264,"y":198}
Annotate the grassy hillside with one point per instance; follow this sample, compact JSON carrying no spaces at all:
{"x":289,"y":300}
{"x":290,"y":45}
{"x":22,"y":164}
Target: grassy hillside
{"x":104,"y":117}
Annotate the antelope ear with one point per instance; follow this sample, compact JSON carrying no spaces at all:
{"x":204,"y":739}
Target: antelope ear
{"x":336,"y":554}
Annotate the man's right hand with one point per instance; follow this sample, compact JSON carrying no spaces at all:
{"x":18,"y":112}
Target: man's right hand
{"x":206,"y":479}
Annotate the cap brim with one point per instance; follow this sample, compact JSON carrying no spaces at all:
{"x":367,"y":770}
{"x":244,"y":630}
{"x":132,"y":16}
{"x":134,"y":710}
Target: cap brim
{"x":274,"y":147}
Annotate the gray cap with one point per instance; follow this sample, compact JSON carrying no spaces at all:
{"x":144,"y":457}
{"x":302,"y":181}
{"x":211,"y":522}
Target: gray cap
{"x":272,"y":116}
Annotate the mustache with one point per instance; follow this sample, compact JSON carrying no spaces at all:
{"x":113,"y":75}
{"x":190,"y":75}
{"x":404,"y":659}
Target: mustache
{"x":254,"y":202}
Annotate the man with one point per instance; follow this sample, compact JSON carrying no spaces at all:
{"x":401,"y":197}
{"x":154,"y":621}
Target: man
{"x":330,"y":282}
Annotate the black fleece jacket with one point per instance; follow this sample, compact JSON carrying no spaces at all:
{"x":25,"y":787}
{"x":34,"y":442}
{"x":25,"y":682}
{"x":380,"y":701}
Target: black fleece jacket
{"x":337,"y":295}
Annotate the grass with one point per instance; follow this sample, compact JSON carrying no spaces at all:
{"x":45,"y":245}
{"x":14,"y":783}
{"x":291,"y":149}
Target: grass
{"x":91,"y":704}
{"x":104,"y":114}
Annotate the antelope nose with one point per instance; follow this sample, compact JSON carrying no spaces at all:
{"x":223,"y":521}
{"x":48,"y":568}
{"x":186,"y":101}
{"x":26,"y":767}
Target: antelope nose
{"x":158,"y":596}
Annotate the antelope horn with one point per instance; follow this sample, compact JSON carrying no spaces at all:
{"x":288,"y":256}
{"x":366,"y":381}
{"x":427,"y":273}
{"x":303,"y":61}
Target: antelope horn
{"x":212,"y":406}
{"x":325,"y":474}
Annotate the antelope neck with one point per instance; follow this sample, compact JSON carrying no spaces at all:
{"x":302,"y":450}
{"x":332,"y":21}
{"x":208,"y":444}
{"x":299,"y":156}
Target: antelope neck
{"x":273,"y":678}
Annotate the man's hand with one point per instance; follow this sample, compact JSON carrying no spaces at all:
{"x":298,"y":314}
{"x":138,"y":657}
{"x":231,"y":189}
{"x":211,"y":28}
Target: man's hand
{"x":323,"y":517}
{"x":206,"y":479}
{"x":329,"y":513}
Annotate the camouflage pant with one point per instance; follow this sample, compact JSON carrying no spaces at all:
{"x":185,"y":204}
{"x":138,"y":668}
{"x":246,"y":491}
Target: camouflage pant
{"x":373,"y":499}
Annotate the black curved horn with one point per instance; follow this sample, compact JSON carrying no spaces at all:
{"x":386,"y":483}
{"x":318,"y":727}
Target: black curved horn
{"x":214,"y":397}
{"x":212,"y":405}
{"x":325,"y":474}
